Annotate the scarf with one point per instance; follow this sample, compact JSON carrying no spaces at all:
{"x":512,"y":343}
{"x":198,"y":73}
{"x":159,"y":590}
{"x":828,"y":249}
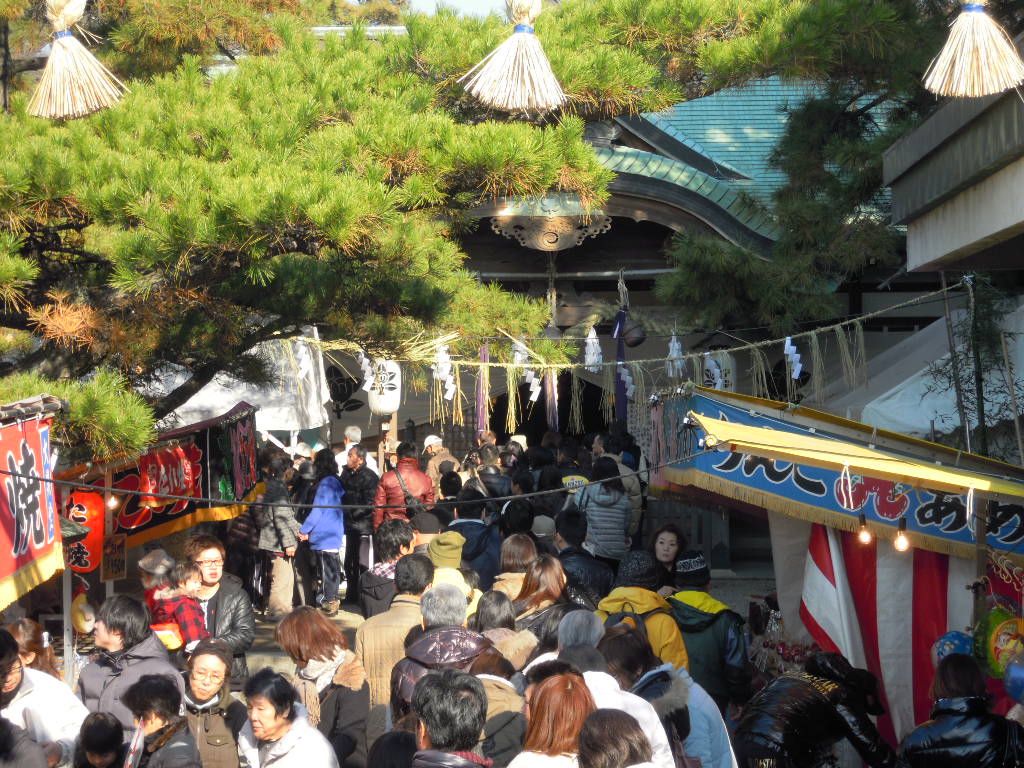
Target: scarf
{"x":202,"y":706}
{"x":314,"y":679}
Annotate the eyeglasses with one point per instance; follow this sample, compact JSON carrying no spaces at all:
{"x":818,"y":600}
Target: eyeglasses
{"x":12,"y":669}
{"x":212,"y":677}
{"x":208,"y":563}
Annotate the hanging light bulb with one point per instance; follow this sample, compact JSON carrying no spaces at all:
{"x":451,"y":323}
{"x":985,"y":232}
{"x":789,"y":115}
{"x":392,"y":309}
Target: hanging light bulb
{"x":902,"y":543}
{"x":864,"y":535}
{"x":113,"y":502}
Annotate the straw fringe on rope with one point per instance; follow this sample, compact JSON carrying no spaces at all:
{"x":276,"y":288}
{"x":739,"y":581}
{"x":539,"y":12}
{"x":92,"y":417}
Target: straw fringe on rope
{"x":817,"y":370}
{"x":74,"y":83}
{"x":759,"y":375}
{"x":862,"y":352}
{"x":608,"y":394}
{"x":512,"y":387}
{"x":978,"y":59}
{"x":845,"y":358}
{"x":575,"y":403}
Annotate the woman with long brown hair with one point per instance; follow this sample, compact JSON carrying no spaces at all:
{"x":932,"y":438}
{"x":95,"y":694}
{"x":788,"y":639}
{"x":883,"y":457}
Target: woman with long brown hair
{"x":331,"y":682}
{"x":517,"y":553}
{"x":543,"y":588}
{"x":556,"y":709}
{"x":613,"y":739}
{"x":34,"y":646}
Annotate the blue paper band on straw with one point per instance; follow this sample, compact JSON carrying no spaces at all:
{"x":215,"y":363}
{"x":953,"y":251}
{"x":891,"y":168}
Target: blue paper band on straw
{"x":62,"y":33}
{"x":974,"y":7}
{"x":523,"y":28}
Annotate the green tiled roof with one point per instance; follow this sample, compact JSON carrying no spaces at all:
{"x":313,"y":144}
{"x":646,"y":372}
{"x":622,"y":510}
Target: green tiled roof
{"x":737,"y":128}
{"x":723,"y":193}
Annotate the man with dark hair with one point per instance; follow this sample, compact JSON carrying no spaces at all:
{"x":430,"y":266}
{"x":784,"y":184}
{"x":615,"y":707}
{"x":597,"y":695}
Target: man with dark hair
{"x":573,"y":476}
{"x":587,"y":578}
{"x":393,"y":539}
{"x":495,"y":482}
{"x":167,"y":742}
{"x":452,"y":708}
{"x":403,"y":490}
{"x":225,"y":603}
{"x":612,"y":446}
{"x":380,"y":640}
{"x":129,"y":650}
{"x":482,"y":549}
{"x":279,"y":531}
{"x":451,"y":486}
{"x":40,"y":704}
{"x":360,"y":484}
{"x":426,"y":526}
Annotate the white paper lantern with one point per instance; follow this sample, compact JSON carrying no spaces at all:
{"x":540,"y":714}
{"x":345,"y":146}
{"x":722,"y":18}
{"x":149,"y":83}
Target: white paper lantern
{"x":385,"y":395}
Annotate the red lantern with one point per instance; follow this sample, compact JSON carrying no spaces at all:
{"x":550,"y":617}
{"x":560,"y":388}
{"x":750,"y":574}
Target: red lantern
{"x":86,"y":508}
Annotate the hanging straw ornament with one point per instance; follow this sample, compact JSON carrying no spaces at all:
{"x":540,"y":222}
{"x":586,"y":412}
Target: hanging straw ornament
{"x":516,"y":76}
{"x":592,"y":357}
{"x":978,"y":59}
{"x":74,"y":82}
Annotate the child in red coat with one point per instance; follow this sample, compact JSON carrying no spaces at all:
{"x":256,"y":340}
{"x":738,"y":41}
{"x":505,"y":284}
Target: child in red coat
{"x":180,"y":606}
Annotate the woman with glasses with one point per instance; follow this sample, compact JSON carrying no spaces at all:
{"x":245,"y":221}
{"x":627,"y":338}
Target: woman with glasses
{"x":214,"y":717}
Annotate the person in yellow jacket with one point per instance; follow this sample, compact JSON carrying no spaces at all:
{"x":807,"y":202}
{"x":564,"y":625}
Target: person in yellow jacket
{"x":635,"y":600}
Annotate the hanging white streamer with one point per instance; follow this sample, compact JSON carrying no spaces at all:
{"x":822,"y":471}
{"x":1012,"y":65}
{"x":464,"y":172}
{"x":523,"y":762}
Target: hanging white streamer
{"x":367,"y":368}
{"x":592,"y":357}
{"x":675,"y":366}
{"x":443,"y":371}
{"x":790,"y":350}
{"x":627,"y":379}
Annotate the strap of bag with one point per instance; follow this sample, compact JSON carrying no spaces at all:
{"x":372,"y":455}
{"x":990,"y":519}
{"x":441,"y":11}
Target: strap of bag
{"x":410,"y":500}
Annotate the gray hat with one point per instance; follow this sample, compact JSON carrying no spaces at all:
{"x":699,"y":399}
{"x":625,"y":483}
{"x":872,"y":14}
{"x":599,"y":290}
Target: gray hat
{"x":157,"y":562}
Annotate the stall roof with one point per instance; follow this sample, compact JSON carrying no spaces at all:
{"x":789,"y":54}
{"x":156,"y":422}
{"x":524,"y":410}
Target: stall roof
{"x":35,"y":406}
{"x":240,"y":411}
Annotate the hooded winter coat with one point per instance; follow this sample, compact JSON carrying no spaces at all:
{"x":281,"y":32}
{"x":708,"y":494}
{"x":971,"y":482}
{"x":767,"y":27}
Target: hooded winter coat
{"x":800,"y":716}
{"x":389,"y":501}
{"x":18,"y":750}
{"x":608,"y":516}
{"x":278,"y":526}
{"x":342,"y":707}
{"x":482,"y":549}
{"x":670,"y":696}
{"x":715,"y":644}
{"x":505,"y":727}
{"x":303,"y":746}
{"x":325,"y":525}
{"x":104,"y":681}
{"x":171,"y":747}
{"x":437,"y":648}
{"x":962,"y":732}
{"x":375,"y":594}
{"x":433,"y":758}
{"x":662,"y":632}
{"x":48,"y":711}
{"x":215,"y":726}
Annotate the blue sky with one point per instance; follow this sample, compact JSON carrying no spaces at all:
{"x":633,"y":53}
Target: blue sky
{"x":473,"y":7}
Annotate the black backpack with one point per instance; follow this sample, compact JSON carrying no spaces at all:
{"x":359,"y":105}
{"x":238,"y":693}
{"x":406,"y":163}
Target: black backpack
{"x":638,"y":620}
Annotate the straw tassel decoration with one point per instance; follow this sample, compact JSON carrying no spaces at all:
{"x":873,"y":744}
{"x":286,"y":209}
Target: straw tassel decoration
{"x":978,"y":59}
{"x":576,"y":403}
{"x":74,"y":82}
{"x":845,"y":358}
{"x":817,"y":370}
{"x":516,"y":76}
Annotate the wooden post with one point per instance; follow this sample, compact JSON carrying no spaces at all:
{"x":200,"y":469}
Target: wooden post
{"x":979,"y":382}
{"x":981,"y":560}
{"x":1013,"y":397}
{"x":69,"y":631}
{"x":108,"y":520}
{"x":955,"y":363}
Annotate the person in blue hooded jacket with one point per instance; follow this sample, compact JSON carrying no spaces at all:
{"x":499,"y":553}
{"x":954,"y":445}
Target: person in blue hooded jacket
{"x":324,"y":528}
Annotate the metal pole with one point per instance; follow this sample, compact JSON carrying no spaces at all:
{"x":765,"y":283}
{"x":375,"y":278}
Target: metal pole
{"x":1013,"y":397}
{"x":69,"y":631}
{"x":955,"y":363}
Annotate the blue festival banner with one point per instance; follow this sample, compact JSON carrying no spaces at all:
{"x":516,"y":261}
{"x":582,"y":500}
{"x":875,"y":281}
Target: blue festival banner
{"x":941,"y":520}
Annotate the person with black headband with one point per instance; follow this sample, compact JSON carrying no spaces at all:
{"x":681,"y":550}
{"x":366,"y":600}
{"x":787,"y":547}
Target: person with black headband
{"x":39,"y":703}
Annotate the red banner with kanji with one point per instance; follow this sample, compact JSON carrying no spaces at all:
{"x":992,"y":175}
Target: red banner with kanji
{"x":29,"y":530}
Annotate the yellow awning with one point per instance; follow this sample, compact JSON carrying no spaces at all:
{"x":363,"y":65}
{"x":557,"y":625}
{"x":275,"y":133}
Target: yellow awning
{"x":836,"y":454}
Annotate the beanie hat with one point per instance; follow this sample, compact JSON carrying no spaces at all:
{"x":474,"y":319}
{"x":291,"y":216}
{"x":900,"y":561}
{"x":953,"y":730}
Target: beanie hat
{"x":585,"y":658}
{"x":445,"y":550}
{"x":638,"y":568}
{"x":425,"y":522}
{"x":211,"y":646}
{"x":692,"y":569}
{"x":157,"y":562}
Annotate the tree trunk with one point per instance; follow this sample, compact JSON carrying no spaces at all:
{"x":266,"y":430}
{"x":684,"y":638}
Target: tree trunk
{"x":979,"y":381}
{"x":177,"y":397}
{"x":5,"y":66}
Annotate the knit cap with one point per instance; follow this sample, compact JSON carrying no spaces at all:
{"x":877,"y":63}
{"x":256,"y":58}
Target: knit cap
{"x":638,"y":568}
{"x":445,"y":549}
{"x":211,"y":646}
{"x":692,"y":570}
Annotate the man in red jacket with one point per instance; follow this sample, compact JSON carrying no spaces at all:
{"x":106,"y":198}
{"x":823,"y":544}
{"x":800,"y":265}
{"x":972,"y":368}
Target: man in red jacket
{"x":401,"y":487}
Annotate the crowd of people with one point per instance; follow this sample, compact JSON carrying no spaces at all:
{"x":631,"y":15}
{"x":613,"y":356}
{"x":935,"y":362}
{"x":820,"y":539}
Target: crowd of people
{"x":512,"y":616}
